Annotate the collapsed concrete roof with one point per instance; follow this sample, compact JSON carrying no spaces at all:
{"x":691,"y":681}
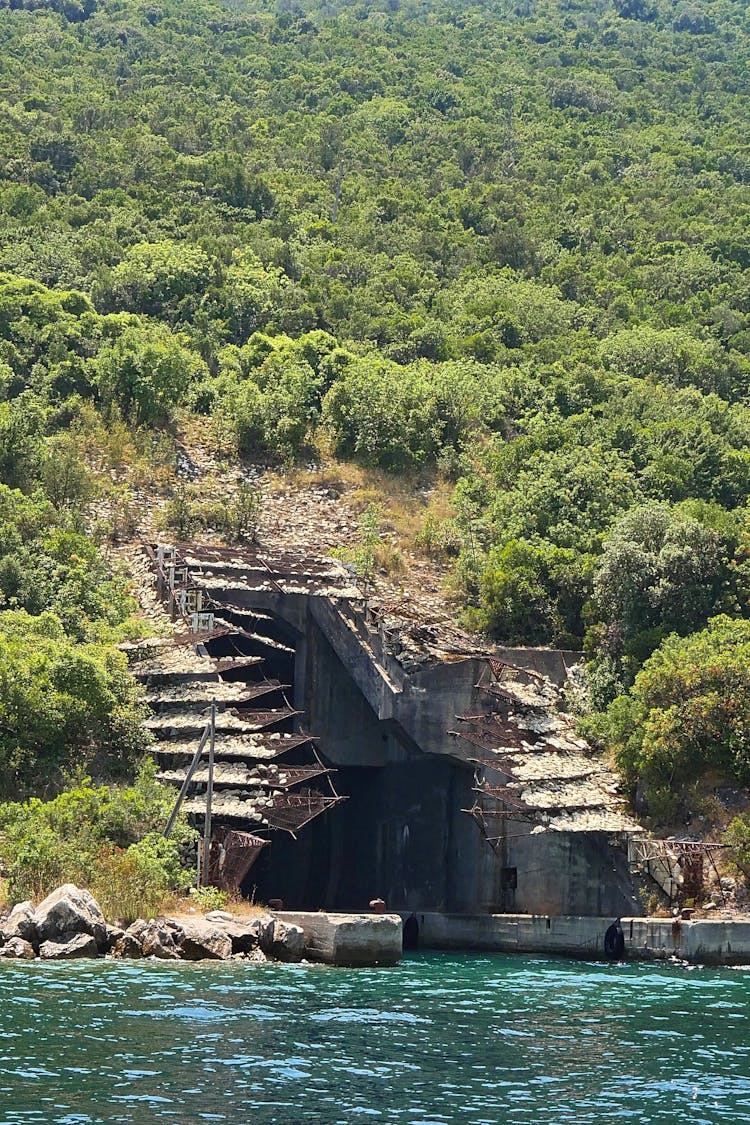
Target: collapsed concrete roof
{"x":531,"y":765}
{"x":176,"y":724}
{"x":250,"y":748}
{"x":255,"y":782}
{"x":249,"y":777}
{"x":193,"y":693}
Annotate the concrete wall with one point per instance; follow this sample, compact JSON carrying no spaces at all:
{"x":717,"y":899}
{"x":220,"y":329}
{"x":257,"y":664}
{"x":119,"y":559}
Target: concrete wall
{"x":550,"y":662}
{"x":706,"y":942}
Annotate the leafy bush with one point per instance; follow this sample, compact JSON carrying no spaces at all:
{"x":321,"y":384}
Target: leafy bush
{"x":737,"y":839}
{"x":664,"y":571}
{"x":104,"y":837}
{"x":146,"y":373}
{"x":686,"y":712}
{"x":209,"y":898}
{"x":62,"y":703}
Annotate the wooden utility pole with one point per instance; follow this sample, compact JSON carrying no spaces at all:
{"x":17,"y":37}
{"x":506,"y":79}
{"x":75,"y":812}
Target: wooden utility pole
{"x":209,"y":798}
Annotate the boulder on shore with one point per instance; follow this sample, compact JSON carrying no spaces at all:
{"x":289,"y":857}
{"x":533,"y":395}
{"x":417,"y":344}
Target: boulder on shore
{"x":70,"y":910}
{"x":70,"y":923}
{"x":247,"y":936}
{"x":20,"y":923}
{"x":69,"y":945}
{"x":18,"y":949}
{"x":284,"y":942}
{"x":203,"y":940}
{"x":114,"y":933}
{"x":129,"y":944}
{"x":159,"y":937}
{"x":219,"y":916}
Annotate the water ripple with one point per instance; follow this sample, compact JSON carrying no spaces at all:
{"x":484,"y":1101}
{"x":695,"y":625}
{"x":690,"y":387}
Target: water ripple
{"x":439,"y":1040}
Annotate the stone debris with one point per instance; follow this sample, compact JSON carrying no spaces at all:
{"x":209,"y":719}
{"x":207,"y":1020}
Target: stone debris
{"x":128,"y":945}
{"x":20,"y":923}
{"x":302,"y":523}
{"x":69,"y":924}
{"x":159,"y":937}
{"x":203,"y":940}
{"x":17,"y":949}
{"x":286,"y":942}
{"x":249,"y":937}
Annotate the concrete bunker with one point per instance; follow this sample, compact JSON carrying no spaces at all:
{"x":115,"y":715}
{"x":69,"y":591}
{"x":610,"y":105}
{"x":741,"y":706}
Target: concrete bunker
{"x":408,"y":742}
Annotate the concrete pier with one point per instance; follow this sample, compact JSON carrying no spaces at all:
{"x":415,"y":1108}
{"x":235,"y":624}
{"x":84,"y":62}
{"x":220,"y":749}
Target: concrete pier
{"x":720,"y":942}
{"x":348,"y":939}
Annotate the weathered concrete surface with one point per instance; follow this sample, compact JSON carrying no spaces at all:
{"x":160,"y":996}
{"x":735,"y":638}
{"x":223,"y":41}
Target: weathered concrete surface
{"x":551,"y":662}
{"x":382,"y":699}
{"x":721,"y":942}
{"x":349,"y":939}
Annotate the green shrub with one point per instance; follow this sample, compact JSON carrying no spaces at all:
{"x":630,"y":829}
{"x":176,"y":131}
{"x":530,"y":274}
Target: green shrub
{"x":209,"y":898}
{"x":686,"y":712}
{"x":133,"y":883}
{"x":107,"y":838}
{"x":737,"y":839}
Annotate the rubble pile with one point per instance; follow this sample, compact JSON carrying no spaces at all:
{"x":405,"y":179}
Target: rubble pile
{"x":69,"y":924}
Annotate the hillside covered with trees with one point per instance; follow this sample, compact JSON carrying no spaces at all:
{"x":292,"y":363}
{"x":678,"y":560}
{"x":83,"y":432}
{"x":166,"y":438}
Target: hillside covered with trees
{"x":500,"y":245}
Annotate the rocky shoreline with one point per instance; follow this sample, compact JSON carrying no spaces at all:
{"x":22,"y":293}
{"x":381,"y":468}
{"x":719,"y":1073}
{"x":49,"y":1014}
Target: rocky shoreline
{"x":69,"y":924}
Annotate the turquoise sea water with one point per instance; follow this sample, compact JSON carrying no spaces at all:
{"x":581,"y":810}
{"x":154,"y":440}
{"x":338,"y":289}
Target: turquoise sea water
{"x":441,"y":1039}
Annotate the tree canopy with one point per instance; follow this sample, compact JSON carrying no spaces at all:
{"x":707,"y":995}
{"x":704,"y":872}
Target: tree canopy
{"x":502,"y":243}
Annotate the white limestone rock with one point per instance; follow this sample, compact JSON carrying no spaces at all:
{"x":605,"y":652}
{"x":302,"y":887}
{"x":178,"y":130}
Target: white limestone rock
{"x":285,"y":942}
{"x":20,"y":923}
{"x":203,"y":940}
{"x":219,"y":916}
{"x":248,"y":934}
{"x":17,"y":949}
{"x":70,"y":910}
{"x":69,"y":945}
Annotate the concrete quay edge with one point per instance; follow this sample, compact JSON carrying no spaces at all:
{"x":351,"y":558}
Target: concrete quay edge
{"x":702,"y":941}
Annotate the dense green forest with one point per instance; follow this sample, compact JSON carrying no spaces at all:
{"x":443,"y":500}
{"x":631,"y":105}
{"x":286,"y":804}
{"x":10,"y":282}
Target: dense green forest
{"x":504,"y":245}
